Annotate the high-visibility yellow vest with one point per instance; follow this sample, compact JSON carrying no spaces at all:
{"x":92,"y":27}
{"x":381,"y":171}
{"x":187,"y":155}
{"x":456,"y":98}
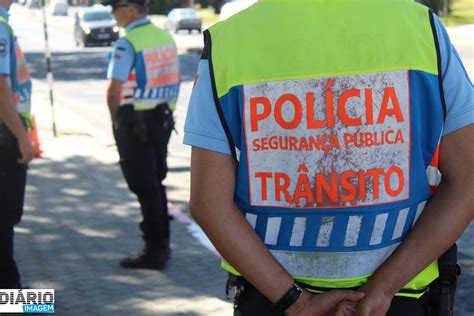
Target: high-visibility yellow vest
{"x":334,"y":110}
{"x":154,"y":78}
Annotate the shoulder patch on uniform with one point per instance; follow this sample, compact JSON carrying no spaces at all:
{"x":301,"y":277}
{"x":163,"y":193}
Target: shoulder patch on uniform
{"x":3,"y":46}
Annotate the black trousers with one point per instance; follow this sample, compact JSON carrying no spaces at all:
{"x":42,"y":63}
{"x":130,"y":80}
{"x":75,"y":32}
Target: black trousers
{"x":12,"y":194}
{"x":142,"y":140}
{"x":252,"y":303}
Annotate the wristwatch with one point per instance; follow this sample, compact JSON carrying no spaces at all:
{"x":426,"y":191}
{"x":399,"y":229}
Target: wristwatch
{"x":288,"y":299}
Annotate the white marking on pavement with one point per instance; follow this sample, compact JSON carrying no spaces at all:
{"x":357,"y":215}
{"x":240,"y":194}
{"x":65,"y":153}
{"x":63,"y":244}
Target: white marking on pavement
{"x":192,"y":228}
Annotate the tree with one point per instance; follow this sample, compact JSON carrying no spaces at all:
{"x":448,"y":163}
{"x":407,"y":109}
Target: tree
{"x":436,"y":5}
{"x":164,"y":6}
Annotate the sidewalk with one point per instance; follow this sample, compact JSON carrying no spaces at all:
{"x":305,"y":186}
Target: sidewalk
{"x":80,"y":220}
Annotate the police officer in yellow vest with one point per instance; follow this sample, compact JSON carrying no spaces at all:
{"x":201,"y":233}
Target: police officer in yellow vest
{"x":15,"y":148}
{"x":143,"y":88}
{"x":332,"y":149}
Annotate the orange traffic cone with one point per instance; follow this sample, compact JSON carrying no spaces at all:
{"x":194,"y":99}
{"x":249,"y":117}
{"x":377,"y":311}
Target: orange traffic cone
{"x":33,"y":135}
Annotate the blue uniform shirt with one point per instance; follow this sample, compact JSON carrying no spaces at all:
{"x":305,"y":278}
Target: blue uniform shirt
{"x":458,"y":90}
{"x":121,"y":60}
{"x":203,"y":127}
{"x":5,"y":46}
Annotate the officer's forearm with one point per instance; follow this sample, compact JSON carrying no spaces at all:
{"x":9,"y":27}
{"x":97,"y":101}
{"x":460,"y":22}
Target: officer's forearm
{"x":213,"y":207}
{"x":113,"y":97}
{"x":446,"y":216}
{"x":8,"y":112}
{"x":113,"y":102}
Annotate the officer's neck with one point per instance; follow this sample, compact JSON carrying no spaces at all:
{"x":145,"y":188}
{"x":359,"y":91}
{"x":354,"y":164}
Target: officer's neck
{"x":136,"y":17}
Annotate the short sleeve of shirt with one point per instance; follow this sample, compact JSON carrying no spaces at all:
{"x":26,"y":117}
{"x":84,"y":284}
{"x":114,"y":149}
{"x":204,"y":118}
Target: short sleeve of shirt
{"x":5,"y":49}
{"x":203,"y":127}
{"x":458,"y":89}
{"x":121,"y":60}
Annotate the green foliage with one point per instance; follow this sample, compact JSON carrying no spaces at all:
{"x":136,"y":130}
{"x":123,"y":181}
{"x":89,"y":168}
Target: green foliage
{"x":462,"y":12}
{"x":459,"y":11}
{"x":216,"y":4}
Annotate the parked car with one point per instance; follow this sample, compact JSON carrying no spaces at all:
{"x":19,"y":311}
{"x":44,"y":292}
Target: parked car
{"x":183,"y":19}
{"x":58,"y":7}
{"x":95,"y":25}
{"x":33,"y":4}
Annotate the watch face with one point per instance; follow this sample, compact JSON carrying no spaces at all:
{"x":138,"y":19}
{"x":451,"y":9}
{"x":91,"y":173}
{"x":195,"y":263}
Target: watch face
{"x":298,"y":288}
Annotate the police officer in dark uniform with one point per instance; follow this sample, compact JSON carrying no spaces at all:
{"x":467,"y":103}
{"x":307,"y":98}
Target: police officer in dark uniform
{"x":15,"y":148}
{"x":143,"y":88}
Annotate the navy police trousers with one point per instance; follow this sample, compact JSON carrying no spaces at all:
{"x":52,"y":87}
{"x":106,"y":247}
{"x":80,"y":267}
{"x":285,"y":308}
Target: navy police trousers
{"x":12,"y":193}
{"x":142,"y":140}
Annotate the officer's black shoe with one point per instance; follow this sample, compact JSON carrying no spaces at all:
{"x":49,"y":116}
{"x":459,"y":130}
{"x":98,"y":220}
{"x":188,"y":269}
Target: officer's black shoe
{"x":153,"y":260}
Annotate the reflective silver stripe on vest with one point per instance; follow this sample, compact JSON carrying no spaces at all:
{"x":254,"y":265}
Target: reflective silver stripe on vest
{"x":299,"y":228}
{"x":322,"y":257}
{"x":401,"y":221}
{"x":419,"y":210}
{"x":352,"y":234}
{"x":127,"y":92}
{"x":325,"y":231}
{"x":379,"y":228}
{"x":252,"y":219}
{"x":273,"y":229}
{"x":333,"y":265}
{"x":386,"y":228}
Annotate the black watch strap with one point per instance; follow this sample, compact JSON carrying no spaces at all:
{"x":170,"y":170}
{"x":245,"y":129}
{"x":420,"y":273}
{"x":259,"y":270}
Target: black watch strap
{"x":288,"y":299}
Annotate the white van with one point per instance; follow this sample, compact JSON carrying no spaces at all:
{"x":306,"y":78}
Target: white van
{"x":58,"y":7}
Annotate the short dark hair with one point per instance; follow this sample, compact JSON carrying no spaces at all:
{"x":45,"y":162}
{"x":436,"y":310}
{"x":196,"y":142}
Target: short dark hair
{"x":142,"y":9}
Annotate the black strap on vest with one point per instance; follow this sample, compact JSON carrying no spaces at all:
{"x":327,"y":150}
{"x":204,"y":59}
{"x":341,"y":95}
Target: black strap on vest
{"x":438,"y":56}
{"x":207,"y":52}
